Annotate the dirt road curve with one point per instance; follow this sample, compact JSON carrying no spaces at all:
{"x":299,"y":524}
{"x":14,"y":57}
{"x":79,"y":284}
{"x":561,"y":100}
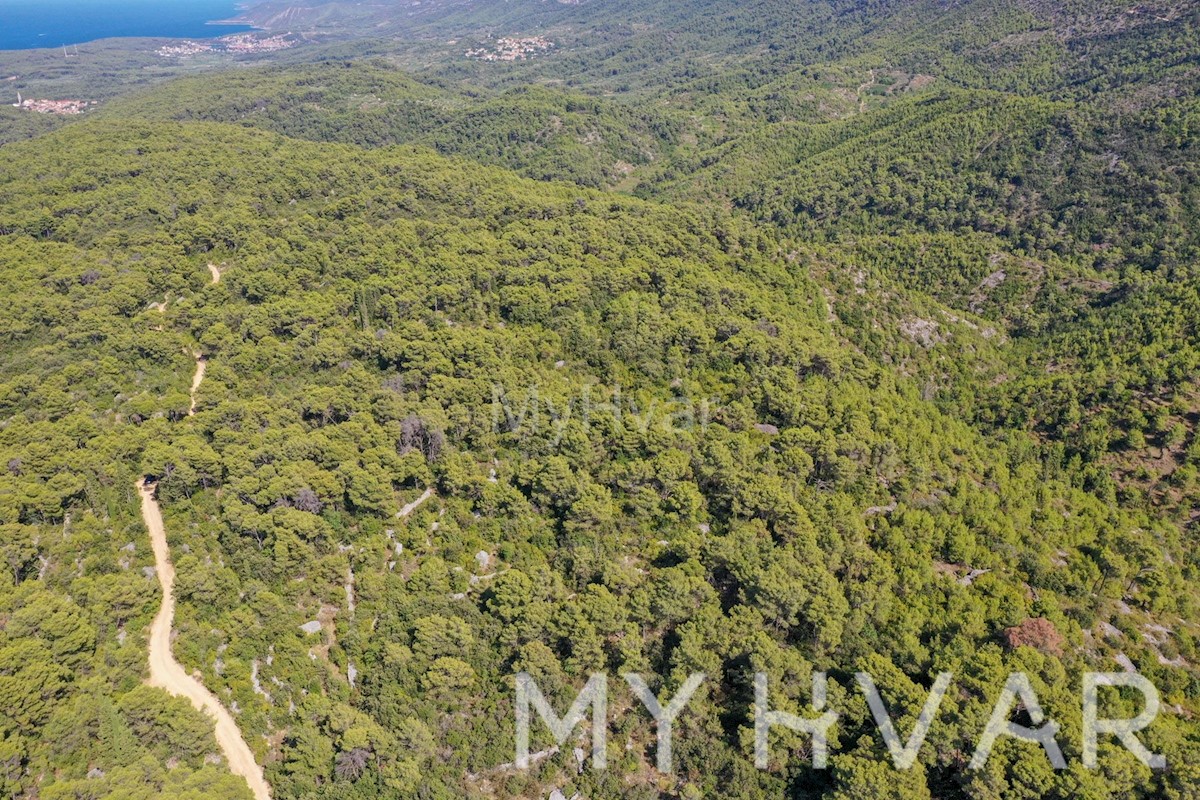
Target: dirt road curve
{"x":169,"y":674}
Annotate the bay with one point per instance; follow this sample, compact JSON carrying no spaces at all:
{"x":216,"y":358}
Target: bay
{"x":27,"y":24}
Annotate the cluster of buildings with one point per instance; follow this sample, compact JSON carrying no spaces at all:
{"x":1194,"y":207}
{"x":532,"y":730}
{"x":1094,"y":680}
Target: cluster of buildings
{"x":512,"y":49}
{"x":240,"y":43}
{"x":253,"y":43}
{"x":43,"y":106}
{"x":184,"y":48}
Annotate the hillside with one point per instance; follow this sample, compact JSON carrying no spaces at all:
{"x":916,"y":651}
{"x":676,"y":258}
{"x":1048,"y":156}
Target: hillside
{"x":372,"y":303}
{"x":717,"y":338}
{"x":542,"y":133}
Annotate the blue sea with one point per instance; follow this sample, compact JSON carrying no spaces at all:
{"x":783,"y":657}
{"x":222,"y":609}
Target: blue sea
{"x":26,"y":24}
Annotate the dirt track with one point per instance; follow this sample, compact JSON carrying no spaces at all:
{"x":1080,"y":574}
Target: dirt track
{"x":169,"y":674}
{"x":197,"y":379}
{"x":415,"y":504}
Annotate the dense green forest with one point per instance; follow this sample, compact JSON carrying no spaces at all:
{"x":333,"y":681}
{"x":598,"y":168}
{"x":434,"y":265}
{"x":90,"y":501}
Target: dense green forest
{"x":729,"y":338}
{"x":537,"y":132}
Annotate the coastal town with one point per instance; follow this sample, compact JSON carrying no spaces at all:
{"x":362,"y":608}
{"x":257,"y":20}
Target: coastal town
{"x":237,"y":43}
{"x":512,"y":49}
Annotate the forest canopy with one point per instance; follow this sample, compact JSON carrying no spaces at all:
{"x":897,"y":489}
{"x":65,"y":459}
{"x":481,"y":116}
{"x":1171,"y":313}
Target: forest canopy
{"x":852,"y":337}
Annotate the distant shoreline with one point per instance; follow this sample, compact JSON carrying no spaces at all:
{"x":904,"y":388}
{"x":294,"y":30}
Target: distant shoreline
{"x":50,"y":27}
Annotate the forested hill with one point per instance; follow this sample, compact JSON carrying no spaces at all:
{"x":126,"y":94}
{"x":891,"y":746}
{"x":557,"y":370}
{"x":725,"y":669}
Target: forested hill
{"x":540,"y":132}
{"x":721,"y":338}
{"x":372,"y":306}
{"x":1012,"y":45}
{"x":1062,"y":209}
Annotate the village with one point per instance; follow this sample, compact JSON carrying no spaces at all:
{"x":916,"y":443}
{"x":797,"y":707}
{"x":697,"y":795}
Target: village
{"x":512,"y":49}
{"x":239,"y":43}
{"x":44,"y":106}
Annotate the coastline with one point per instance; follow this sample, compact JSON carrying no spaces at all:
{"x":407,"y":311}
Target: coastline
{"x":56,"y":26}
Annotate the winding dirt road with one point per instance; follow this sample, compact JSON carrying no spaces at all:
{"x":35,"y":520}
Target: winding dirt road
{"x":165,"y":671}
